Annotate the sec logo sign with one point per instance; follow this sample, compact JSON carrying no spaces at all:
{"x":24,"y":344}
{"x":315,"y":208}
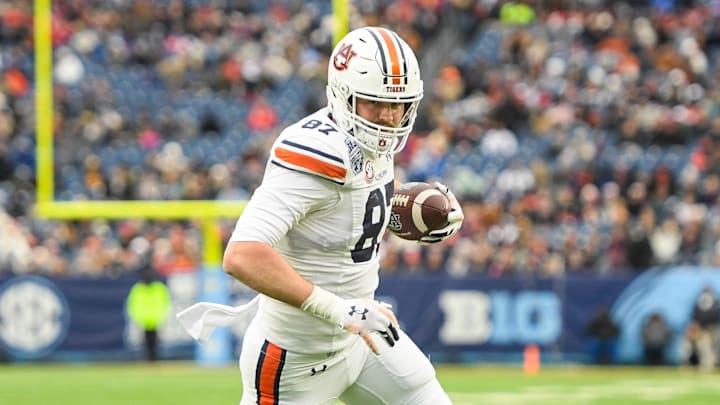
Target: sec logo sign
{"x":34,"y":317}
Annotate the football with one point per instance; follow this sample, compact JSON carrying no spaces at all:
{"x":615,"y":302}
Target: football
{"x":418,"y":208}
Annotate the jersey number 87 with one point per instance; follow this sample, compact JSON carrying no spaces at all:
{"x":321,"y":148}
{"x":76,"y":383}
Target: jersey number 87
{"x":371,"y":229}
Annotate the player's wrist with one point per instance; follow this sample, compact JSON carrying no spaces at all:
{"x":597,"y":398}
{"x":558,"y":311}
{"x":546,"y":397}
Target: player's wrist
{"x":324,"y":305}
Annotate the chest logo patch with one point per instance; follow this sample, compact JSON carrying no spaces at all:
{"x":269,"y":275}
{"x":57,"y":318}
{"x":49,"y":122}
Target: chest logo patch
{"x":369,"y":172}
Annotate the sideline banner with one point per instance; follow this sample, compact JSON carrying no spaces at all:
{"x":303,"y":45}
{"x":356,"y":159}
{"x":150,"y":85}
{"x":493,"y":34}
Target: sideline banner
{"x":449,"y":315}
{"x":84,"y":319}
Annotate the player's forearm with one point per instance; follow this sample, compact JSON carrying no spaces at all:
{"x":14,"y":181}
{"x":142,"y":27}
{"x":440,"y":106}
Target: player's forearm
{"x":261,"y":268}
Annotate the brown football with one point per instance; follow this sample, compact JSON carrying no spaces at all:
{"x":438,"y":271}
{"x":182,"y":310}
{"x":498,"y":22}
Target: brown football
{"x":417,"y":208}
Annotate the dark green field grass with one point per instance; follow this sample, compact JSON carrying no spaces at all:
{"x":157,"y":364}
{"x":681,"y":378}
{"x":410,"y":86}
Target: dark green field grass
{"x":177,"y":383}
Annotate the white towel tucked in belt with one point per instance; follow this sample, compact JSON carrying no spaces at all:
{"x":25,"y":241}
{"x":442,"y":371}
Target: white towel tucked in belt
{"x":201,"y":319}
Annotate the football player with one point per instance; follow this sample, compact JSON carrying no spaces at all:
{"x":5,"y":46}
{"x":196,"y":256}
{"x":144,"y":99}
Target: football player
{"x":308,"y":242}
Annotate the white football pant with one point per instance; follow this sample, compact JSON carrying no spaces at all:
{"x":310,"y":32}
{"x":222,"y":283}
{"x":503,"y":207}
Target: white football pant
{"x":399,"y":375}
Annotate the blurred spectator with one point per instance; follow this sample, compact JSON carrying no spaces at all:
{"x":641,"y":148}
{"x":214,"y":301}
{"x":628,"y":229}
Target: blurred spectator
{"x":603,"y":334}
{"x":499,"y":141}
{"x":148,"y":303}
{"x":706,"y":315}
{"x":656,"y":336}
{"x":665,"y":241}
{"x":640,"y":251}
{"x":262,"y":116}
{"x":15,"y":250}
{"x":178,"y":253}
{"x":517,"y":12}
{"x":515,"y":180}
{"x":688,"y":349}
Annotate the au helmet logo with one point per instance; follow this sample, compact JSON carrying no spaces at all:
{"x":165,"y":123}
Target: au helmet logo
{"x":342,"y":58}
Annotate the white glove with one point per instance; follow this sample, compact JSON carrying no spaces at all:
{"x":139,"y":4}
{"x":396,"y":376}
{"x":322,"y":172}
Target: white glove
{"x":357,"y":316}
{"x":455,"y":218}
{"x":362,"y":317}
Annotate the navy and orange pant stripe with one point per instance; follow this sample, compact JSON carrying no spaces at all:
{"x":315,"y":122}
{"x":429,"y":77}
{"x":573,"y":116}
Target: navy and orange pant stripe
{"x":267,"y":374}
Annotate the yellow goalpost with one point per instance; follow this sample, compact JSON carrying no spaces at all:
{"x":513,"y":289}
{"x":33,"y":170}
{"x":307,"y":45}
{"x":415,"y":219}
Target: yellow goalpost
{"x":47,"y":207}
{"x":207,"y":212}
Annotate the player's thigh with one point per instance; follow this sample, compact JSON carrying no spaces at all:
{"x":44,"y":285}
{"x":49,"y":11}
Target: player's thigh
{"x":270,"y":372}
{"x":399,"y":375}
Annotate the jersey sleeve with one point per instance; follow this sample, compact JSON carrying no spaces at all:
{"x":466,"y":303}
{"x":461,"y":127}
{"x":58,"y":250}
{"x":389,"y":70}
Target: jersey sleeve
{"x":311,"y":152}
{"x":283,"y":199}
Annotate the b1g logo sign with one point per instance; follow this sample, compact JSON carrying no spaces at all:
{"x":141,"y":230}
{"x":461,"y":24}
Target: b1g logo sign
{"x":500,"y":317}
{"x":34,"y":317}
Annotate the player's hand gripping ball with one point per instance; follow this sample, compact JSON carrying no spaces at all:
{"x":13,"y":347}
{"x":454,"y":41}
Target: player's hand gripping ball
{"x":417,"y":209}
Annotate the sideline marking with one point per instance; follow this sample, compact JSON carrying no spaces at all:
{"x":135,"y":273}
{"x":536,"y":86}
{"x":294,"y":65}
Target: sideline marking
{"x":642,"y":390}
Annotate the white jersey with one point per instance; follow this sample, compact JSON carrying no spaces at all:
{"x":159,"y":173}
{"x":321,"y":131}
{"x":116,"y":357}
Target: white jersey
{"x":323,"y":205}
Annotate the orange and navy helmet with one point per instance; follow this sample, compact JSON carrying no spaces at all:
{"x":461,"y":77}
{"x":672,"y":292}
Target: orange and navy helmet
{"x":374,"y":63}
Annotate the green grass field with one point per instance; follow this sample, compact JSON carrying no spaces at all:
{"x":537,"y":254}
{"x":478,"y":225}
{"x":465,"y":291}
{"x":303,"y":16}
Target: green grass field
{"x":185,"y":384}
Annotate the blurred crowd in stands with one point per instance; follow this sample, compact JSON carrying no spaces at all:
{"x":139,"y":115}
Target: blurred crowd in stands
{"x":580,"y":135}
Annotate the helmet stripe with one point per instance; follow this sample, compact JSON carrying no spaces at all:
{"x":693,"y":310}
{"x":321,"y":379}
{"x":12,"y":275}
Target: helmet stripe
{"x":382,"y":53}
{"x":394,"y":58}
{"x":402,"y":55}
{"x":389,"y":50}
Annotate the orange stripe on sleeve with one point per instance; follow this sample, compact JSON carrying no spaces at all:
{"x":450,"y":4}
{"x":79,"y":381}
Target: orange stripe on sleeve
{"x":311,"y":164}
{"x":271,"y":367}
{"x":394,"y":59}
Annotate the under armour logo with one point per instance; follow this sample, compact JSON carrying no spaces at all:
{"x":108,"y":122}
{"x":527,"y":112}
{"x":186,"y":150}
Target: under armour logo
{"x":355,"y":311}
{"x":313,"y":371}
